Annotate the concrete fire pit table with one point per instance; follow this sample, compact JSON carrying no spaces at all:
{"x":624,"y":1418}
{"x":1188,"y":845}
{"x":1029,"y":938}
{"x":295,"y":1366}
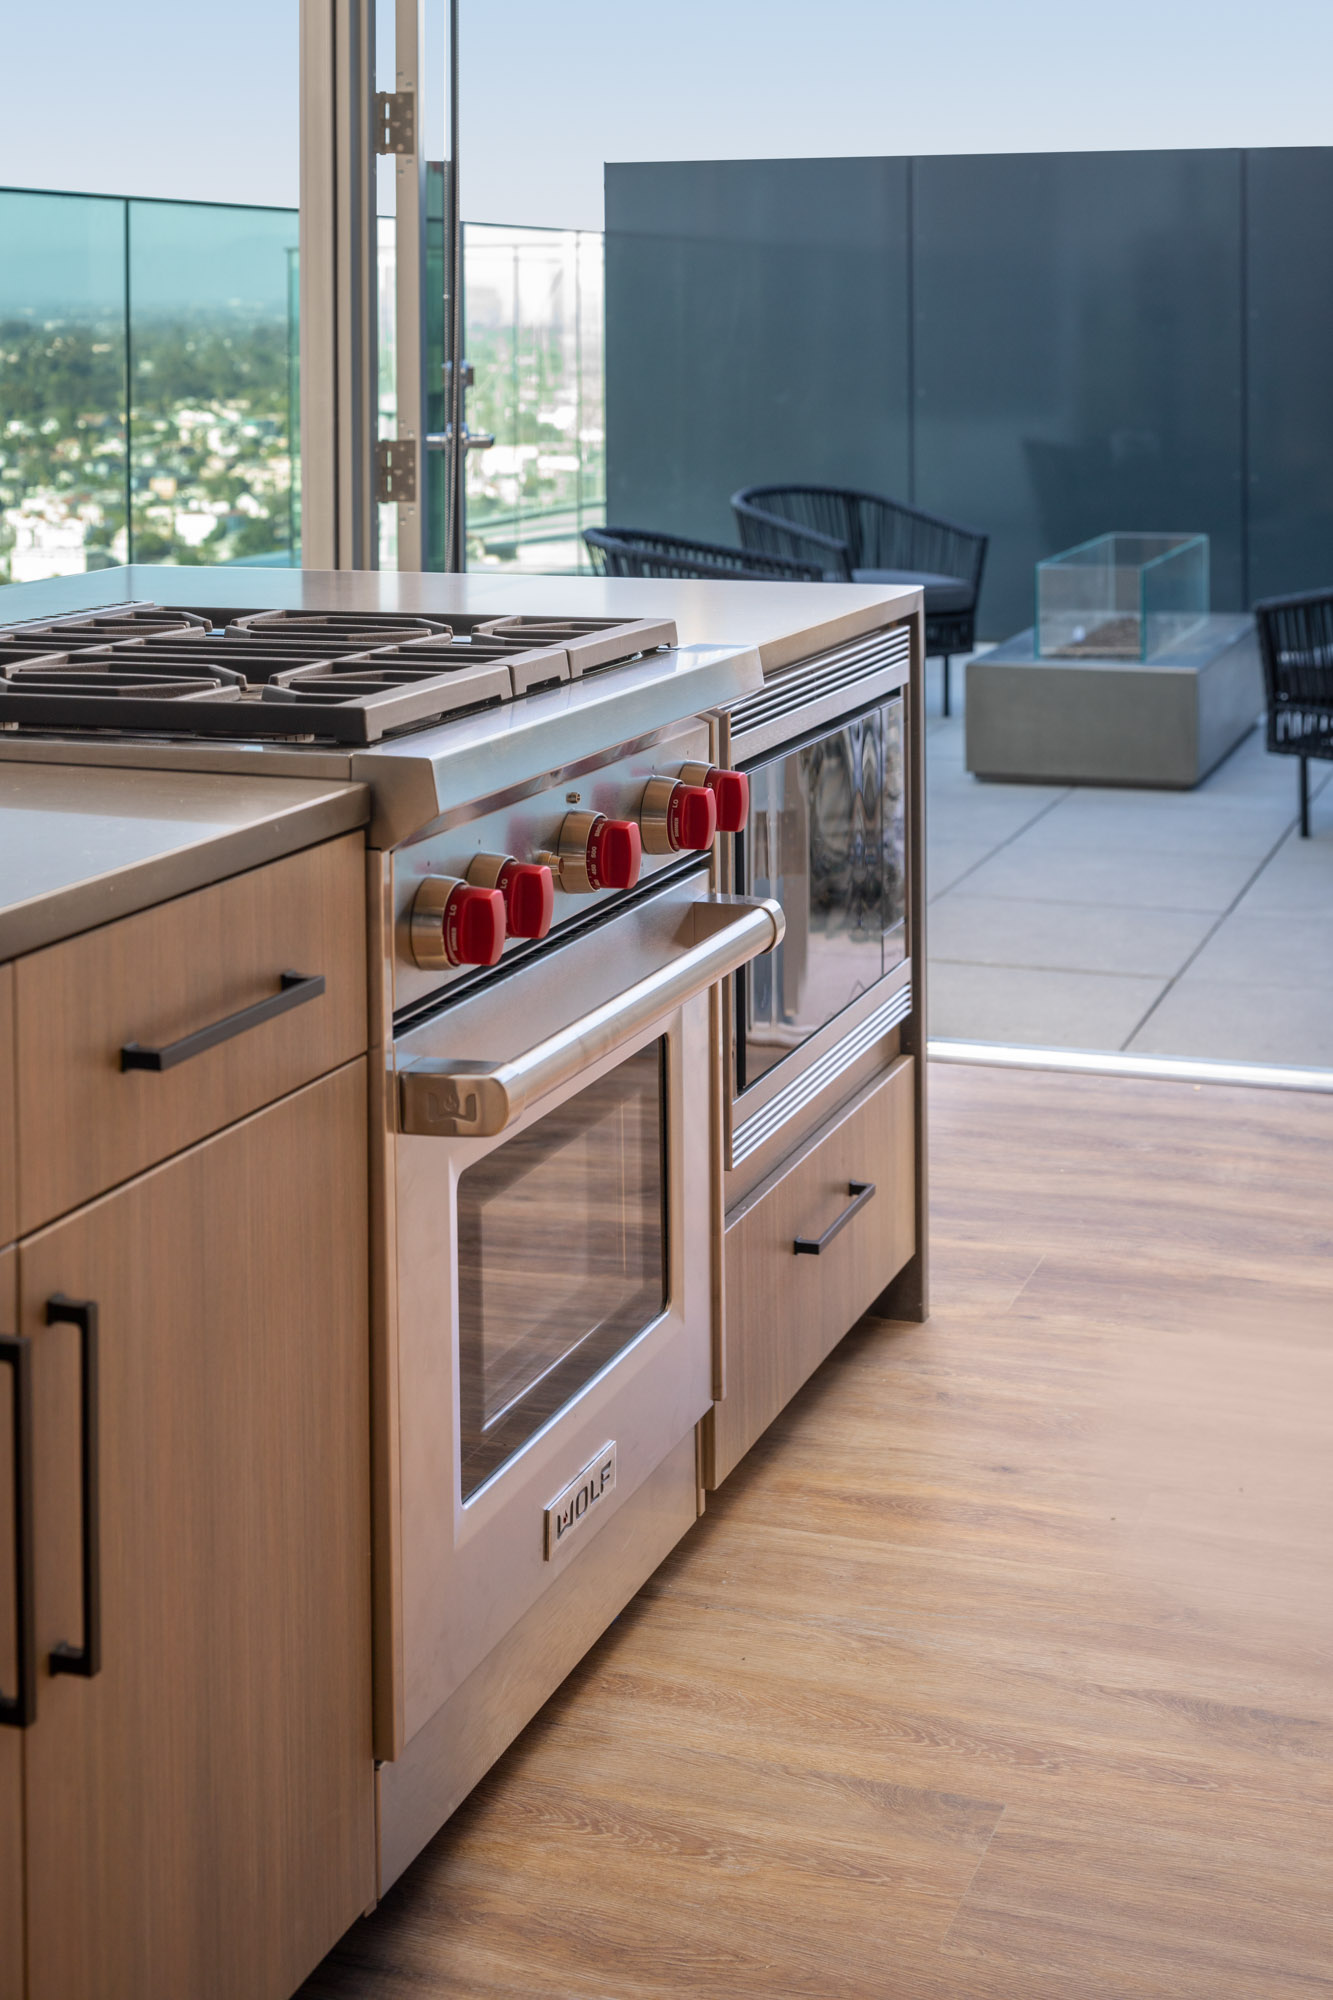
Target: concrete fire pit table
{"x":1126,"y":678}
{"x":1163,"y":722}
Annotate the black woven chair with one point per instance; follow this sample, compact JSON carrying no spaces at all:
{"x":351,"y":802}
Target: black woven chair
{"x":641,"y":552}
{"x":1296,"y":646}
{"x":864,"y":538}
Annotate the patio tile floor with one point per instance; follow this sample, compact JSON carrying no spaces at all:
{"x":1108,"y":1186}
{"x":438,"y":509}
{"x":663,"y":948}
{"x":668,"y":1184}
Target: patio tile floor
{"x":1171,"y":923}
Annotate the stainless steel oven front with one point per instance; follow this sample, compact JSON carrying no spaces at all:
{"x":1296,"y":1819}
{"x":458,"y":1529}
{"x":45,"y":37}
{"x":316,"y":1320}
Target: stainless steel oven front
{"x":553,"y":1259}
{"x":824,"y":746}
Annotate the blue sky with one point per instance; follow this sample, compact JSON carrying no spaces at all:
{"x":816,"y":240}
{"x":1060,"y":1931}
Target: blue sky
{"x":161,"y":97}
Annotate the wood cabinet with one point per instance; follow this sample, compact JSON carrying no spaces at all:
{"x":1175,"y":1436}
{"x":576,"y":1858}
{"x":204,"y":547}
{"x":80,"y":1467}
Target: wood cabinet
{"x":11,"y":1740}
{"x":784,"y":1310}
{"x":85,"y":1122}
{"x":8,"y":1120}
{"x":199,"y":1813}
{"x":191,"y":1811}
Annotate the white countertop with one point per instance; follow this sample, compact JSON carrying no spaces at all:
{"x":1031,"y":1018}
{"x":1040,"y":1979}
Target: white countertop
{"x":80,"y":845}
{"x":784,"y":621}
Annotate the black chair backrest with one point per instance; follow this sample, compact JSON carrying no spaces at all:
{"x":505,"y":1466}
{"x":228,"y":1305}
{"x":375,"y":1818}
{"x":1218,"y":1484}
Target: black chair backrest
{"x":858,"y":531}
{"x":643,"y":552}
{"x":1296,"y":646}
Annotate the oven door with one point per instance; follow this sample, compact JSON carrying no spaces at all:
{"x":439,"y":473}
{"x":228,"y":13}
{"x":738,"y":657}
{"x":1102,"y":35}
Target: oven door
{"x":554,"y":1170}
{"x":826,"y":837}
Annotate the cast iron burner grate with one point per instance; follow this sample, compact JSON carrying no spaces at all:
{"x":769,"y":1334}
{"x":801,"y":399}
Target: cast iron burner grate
{"x":346,"y":677}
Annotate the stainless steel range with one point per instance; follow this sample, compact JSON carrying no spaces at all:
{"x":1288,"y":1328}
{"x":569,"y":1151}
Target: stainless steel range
{"x":546,"y":808}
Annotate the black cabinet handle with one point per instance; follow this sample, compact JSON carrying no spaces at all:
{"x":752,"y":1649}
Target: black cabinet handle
{"x":18,"y":1710}
{"x":297,"y":988}
{"x":810,"y":1246}
{"x":86,"y":1659}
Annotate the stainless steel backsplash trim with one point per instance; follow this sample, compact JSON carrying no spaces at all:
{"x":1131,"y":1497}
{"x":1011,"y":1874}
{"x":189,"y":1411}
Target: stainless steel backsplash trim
{"x":751,"y":1133}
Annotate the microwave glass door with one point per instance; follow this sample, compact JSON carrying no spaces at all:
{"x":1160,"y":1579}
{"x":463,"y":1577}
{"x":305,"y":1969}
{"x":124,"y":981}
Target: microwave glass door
{"x":562,"y":1243}
{"x":826,"y":837}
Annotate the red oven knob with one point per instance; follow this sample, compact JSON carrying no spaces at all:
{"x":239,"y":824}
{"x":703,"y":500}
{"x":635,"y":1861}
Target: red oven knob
{"x":731,"y":789}
{"x":594,"y":852}
{"x":455,"y":923}
{"x":691,"y":817}
{"x":527,"y":888}
{"x":674,"y":815}
{"x":614,"y":854}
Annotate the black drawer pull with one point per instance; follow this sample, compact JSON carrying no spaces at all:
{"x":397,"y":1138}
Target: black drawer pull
{"x":810,"y":1246}
{"x":296,"y":990}
{"x":85,"y":1660}
{"x":20,"y":1709}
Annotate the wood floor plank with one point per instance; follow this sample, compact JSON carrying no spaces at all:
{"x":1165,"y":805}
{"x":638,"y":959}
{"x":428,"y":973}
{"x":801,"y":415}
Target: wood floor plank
{"x":1002,"y":1669}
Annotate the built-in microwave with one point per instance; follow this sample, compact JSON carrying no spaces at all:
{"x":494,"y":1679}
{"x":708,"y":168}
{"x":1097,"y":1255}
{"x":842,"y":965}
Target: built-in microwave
{"x":825,"y":750}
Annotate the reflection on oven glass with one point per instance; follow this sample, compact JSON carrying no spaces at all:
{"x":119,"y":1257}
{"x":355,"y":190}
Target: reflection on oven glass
{"x":893,"y":817}
{"x":826,"y":837}
{"x":562,"y":1257}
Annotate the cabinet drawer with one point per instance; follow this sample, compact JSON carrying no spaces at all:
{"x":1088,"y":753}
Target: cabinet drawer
{"x":85,"y":1123}
{"x":784,"y":1310}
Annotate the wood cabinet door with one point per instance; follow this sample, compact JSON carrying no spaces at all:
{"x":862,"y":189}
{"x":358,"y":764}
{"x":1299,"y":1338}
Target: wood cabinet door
{"x":11,"y":1739}
{"x":199,"y":1814}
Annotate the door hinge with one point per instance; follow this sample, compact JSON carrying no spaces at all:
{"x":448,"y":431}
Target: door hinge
{"x":395,"y":121}
{"x":396,"y":469}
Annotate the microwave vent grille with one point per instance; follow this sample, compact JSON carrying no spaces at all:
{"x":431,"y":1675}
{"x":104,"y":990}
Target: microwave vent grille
{"x":827,"y":673}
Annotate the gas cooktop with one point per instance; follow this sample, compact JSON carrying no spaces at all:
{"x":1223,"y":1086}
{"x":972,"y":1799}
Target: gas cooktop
{"x":350,"y":678}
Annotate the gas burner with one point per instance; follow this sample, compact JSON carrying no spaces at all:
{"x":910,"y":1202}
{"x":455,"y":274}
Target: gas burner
{"x":343,"y":677}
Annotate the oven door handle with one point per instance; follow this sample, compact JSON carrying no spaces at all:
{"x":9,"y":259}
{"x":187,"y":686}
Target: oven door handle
{"x":475,"y":1100}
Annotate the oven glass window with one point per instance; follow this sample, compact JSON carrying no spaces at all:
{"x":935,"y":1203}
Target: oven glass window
{"x":562,"y":1257}
{"x":826,"y":837}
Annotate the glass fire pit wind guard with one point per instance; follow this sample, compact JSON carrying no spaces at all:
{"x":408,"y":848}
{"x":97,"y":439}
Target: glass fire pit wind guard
{"x":1121,"y":597}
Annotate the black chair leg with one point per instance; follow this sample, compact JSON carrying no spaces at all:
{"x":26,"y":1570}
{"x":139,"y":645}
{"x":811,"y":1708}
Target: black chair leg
{"x":946,"y":683}
{"x":1305,"y":798}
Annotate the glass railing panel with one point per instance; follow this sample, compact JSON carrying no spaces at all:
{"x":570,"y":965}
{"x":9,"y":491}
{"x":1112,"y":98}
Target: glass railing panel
{"x":533,"y":300}
{"x":213,"y":412}
{"x":62,"y":384}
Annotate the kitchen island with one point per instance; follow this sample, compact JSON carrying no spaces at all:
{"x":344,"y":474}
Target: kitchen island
{"x":439,"y":911}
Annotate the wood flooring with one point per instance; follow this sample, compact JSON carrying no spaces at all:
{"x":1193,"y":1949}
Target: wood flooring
{"x":1001,"y":1669}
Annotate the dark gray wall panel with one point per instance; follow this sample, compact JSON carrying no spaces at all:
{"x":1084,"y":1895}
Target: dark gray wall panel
{"x":1078,"y":355}
{"x":756,"y":330}
{"x":1289,"y":263}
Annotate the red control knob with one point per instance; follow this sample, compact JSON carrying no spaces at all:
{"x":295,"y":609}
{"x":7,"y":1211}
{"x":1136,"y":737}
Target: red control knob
{"x":528,"y":889}
{"x":731,"y":789}
{"x":614,"y":854}
{"x":691,"y":817}
{"x":456,"y":923}
{"x":474,"y":926}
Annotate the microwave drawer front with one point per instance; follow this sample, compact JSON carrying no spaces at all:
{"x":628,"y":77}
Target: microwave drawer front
{"x":145,"y":1035}
{"x":806,"y":1257}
